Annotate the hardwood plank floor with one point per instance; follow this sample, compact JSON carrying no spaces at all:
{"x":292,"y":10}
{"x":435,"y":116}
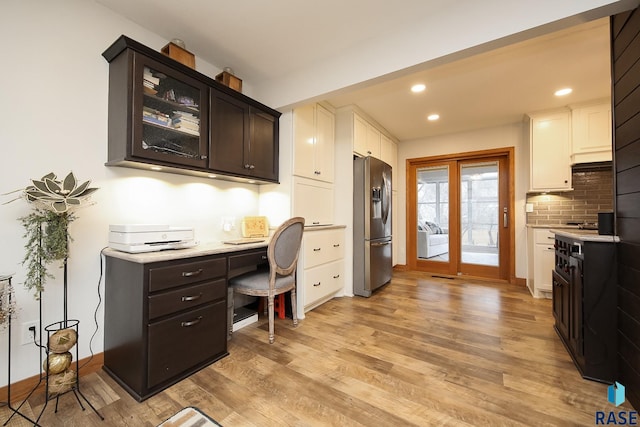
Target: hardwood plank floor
{"x":421,"y":351}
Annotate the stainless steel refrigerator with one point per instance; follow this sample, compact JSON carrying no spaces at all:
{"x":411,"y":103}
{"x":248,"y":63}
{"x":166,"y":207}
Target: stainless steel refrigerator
{"x":372,"y":262}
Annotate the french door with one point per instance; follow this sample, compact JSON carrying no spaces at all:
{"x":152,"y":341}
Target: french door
{"x":459,"y":214}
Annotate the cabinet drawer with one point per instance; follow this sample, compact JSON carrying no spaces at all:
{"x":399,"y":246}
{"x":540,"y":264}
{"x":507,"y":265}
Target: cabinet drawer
{"x":183,"y":298}
{"x":322,"y":281}
{"x":183,"y":342}
{"x":323,"y":246}
{"x":543,"y":236}
{"x":185,"y":273}
{"x":247,"y":259}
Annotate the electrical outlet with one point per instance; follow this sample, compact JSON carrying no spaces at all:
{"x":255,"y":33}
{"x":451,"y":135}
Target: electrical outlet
{"x":27,"y":335}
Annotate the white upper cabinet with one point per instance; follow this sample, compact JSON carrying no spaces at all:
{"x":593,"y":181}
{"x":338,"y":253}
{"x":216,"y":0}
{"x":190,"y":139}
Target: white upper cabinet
{"x":549,"y":143}
{"x":591,"y":133}
{"x":313,"y":200}
{"x":366,"y":138}
{"x":360,"y":128}
{"x":388,"y":151}
{"x":314,"y":138}
{"x":373,"y":142}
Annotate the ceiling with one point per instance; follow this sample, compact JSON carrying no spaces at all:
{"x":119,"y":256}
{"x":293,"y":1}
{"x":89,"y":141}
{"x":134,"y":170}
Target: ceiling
{"x":489,"y":89}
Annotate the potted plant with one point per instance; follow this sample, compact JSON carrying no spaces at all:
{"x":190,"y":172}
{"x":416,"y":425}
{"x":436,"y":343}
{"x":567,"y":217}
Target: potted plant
{"x":7,"y":303}
{"x":47,"y":227}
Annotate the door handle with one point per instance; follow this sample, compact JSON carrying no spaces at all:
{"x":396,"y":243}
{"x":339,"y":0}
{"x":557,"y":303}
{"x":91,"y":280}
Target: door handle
{"x":505,"y":218}
{"x":381,"y":244}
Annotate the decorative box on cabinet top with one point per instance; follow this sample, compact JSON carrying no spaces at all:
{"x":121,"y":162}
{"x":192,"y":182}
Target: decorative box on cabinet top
{"x":180,"y":54}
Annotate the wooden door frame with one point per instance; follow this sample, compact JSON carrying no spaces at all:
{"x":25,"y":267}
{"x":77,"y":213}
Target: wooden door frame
{"x":411,"y":220}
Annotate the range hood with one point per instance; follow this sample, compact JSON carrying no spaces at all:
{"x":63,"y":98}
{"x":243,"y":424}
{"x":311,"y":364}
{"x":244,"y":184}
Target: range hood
{"x":593,"y":166}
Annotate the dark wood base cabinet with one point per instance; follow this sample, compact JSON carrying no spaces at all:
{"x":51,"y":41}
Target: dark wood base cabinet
{"x":584,"y":305}
{"x":163,"y":320}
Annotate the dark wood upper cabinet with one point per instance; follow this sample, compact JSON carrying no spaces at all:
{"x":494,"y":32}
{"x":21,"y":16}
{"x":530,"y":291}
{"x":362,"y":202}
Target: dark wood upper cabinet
{"x":165,"y":114}
{"x":242,"y":138}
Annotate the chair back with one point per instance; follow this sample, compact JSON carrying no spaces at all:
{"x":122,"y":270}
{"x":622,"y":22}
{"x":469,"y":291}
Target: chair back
{"x":284,"y":246}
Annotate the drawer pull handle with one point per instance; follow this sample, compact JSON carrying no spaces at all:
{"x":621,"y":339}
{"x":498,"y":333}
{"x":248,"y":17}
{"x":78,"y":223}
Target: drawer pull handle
{"x":337,"y":245}
{"x":192,"y":298}
{"x":191,"y":273}
{"x":317,"y":284}
{"x":191,"y":322}
{"x":316,"y":249}
{"x":316,"y":222}
{"x":335,"y":277}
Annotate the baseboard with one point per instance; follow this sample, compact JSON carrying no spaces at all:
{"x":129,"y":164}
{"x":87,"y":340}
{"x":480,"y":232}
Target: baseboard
{"x":520,"y":281}
{"x":21,"y":389}
{"x":401,"y":267}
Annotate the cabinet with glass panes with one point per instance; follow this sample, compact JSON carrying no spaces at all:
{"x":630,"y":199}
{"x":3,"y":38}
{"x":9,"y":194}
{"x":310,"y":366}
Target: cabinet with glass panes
{"x":159,"y":112}
{"x":159,"y":117}
{"x":172,"y":130}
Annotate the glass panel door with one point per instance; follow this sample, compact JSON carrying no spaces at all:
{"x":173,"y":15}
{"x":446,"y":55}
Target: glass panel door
{"x":479,"y":214}
{"x":170,"y":115}
{"x":433,"y":213}
{"x":459,"y":209}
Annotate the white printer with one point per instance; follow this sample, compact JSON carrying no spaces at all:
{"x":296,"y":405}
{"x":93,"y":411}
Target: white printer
{"x":137,"y":238}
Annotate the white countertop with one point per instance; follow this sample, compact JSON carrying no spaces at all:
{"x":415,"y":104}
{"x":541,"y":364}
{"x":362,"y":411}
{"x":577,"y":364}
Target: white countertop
{"x":557,"y":226}
{"x":308,"y":228}
{"x":212,"y":248}
{"x":584,"y":235}
{"x":202,"y":249}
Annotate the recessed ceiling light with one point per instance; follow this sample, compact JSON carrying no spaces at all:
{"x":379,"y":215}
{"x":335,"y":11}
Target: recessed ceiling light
{"x":251,"y":181}
{"x":418,"y":88}
{"x":156,"y":168}
{"x":212,"y":176}
{"x":433,"y":117}
{"x":563,"y":92}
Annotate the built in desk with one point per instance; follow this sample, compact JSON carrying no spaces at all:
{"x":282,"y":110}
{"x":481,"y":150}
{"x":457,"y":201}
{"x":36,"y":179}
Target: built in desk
{"x":166,"y":313}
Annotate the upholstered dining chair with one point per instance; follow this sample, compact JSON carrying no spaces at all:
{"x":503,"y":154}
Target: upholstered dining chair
{"x":282,"y":254}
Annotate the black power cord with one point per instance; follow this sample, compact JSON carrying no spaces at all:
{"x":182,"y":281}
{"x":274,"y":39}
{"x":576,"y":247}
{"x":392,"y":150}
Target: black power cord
{"x":95,"y":313}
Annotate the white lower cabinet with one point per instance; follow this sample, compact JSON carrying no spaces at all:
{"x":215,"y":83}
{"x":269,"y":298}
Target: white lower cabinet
{"x":322,"y":282}
{"x":320,"y":267}
{"x":541,"y":262}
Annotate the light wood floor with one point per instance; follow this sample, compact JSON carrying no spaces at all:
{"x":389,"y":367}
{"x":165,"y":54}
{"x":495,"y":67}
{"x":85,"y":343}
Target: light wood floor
{"x":421,"y":351}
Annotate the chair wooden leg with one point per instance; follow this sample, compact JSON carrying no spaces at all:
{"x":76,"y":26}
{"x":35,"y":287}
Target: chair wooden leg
{"x":271,"y":310}
{"x":294,"y":307}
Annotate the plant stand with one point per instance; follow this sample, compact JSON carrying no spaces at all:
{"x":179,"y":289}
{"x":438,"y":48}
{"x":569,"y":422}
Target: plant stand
{"x":62,"y":382}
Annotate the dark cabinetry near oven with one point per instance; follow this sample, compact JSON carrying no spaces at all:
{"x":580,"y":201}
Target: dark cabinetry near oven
{"x":163,"y":114}
{"x":584,"y":304}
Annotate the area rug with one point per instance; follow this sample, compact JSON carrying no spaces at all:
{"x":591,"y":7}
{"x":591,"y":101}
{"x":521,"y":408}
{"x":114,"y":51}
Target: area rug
{"x":189,"y":417}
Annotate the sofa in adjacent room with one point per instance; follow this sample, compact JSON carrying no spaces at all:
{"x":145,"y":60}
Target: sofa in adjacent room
{"x":432,"y":240}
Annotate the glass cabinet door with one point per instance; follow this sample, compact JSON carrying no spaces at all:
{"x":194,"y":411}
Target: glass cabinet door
{"x":170,"y":115}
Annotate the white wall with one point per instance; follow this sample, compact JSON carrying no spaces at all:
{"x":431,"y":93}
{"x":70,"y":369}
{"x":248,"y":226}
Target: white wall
{"x":484,"y":139}
{"x":54,"y":82}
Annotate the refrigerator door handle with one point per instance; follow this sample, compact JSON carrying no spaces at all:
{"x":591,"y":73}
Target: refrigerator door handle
{"x":380,"y":243}
{"x":386,"y":201}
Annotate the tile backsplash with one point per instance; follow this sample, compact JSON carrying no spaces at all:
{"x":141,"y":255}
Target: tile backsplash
{"x":592,"y":193}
